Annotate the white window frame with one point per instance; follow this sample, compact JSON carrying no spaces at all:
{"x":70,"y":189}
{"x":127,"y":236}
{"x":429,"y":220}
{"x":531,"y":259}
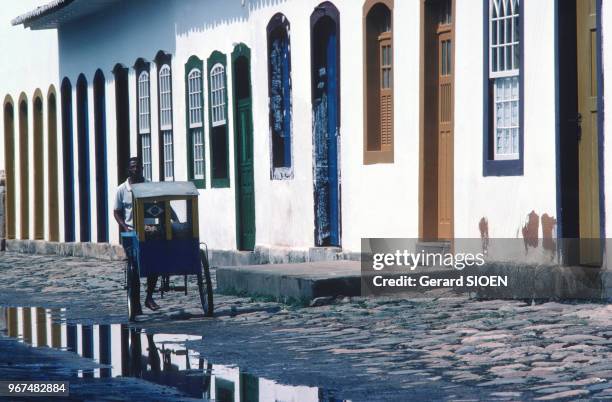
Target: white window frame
{"x":144,"y":123}
{"x":165,"y":98}
{"x":194,"y":91}
{"x":514,"y":44}
{"x":197,"y":138}
{"x":147,"y":163}
{"x":217,"y":95}
{"x":168,"y":147}
{"x":508,"y":99}
{"x":144,"y":103}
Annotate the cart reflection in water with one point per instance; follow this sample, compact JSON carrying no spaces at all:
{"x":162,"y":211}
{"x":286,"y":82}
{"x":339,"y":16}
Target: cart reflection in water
{"x":165,"y":359}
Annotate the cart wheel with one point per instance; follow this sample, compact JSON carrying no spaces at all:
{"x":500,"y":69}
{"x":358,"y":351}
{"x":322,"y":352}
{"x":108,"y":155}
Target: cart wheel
{"x":205,"y":285}
{"x":133,"y":293}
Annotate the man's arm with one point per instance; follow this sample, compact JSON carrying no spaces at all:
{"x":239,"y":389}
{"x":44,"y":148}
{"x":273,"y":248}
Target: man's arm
{"x":121,"y":220}
{"x":118,"y":213}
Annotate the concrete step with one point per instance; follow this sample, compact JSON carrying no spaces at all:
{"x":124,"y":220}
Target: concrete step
{"x":300,"y":283}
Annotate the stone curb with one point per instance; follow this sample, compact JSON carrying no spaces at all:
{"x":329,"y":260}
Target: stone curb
{"x":100,"y":251}
{"x":114,"y":252}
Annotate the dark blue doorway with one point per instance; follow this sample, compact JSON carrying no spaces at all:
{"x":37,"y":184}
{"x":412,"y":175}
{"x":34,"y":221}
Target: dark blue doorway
{"x":122,"y":113}
{"x":326,"y":124}
{"x":67,"y":163}
{"x":83,"y":159}
{"x":100,"y":144}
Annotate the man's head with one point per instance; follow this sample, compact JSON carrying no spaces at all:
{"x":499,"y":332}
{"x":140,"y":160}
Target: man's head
{"x":135,"y":170}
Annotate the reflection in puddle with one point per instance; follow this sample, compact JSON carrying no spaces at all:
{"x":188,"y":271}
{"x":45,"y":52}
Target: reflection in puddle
{"x":159,"y":358}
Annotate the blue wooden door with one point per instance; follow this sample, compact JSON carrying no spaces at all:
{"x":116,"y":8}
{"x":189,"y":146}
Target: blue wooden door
{"x":326,"y":142}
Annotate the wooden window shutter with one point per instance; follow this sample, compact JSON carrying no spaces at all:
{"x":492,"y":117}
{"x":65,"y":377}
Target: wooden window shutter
{"x":386,"y":92}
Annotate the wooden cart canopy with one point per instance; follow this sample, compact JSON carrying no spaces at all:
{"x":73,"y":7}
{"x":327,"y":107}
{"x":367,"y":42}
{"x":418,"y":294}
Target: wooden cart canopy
{"x":164,"y":189}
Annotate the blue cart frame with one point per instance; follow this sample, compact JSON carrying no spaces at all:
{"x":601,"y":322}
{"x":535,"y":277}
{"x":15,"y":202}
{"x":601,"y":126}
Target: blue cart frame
{"x":161,"y":245}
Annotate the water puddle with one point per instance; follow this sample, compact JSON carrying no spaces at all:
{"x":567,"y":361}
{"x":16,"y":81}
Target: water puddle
{"x":164,"y":359}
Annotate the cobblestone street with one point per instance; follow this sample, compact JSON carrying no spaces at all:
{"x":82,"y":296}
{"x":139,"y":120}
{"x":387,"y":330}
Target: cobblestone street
{"x":362,"y":349}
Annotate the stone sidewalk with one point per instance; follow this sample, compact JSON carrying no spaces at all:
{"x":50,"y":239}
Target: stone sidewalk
{"x":367,"y":349}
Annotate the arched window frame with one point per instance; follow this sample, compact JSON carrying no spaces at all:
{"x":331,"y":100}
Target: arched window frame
{"x":164,"y":100}
{"x":143,"y":113}
{"x":194,"y":117}
{"x":218,"y":129}
{"x":378,"y":83}
{"x":218,"y":95}
{"x":280,"y":98}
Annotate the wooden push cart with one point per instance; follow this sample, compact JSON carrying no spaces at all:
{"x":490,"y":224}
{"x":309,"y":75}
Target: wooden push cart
{"x":166,"y":241}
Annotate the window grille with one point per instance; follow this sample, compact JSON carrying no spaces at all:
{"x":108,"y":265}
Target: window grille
{"x":168,"y":155}
{"x":198,"y":153}
{"x":194,"y":82}
{"x":165,"y":98}
{"x":144,"y":112}
{"x":146,"y":157}
{"x":217,"y":90}
{"x":504,"y":71}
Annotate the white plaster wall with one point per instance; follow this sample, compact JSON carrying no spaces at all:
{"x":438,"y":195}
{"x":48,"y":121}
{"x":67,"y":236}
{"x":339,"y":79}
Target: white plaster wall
{"x":77,"y":167}
{"x":380,"y":200}
{"x":504,"y":201}
{"x":24,"y":72}
{"x":377,"y":200}
{"x":111,"y":157}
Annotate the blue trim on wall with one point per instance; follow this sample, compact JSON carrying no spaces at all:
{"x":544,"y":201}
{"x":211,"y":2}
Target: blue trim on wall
{"x":68,"y":160}
{"x":600,"y":126}
{"x":501,"y":167}
{"x":101,"y":156}
{"x":83,"y":159}
{"x":557,"y":123}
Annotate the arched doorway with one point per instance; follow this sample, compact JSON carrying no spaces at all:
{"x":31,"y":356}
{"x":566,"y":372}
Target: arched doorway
{"x":52,"y":206}
{"x":325,"y":24}
{"x":68,"y":161}
{"x":83,"y":160}
{"x":24,"y":171}
{"x":101,"y":168}
{"x":122,"y":113}
{"x":243,"y":151}
{"x":39,"y":174}
{"x":9,"y":166}
{"x":280,"y":95}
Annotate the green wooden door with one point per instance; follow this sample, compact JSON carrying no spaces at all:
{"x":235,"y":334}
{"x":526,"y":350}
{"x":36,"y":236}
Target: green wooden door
{"x":245,"y":187}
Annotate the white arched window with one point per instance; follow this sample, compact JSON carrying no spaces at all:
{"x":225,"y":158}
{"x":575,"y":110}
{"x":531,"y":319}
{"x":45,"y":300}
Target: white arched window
{"x":217,"y":94}
{"x":144,"y":112}
{"x":144,"y":126}
{"x":195,"y":95}
{"x":165,"y":121}
{"x":194,"y":92}
{"x":165,"y":98}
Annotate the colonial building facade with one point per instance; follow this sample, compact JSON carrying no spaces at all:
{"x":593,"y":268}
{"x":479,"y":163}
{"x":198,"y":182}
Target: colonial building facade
{"x":312,"y":124}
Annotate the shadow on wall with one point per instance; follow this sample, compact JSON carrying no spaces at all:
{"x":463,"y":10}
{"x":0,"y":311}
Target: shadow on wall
{"x":141,"y":29}
{"x":216,"y":13}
